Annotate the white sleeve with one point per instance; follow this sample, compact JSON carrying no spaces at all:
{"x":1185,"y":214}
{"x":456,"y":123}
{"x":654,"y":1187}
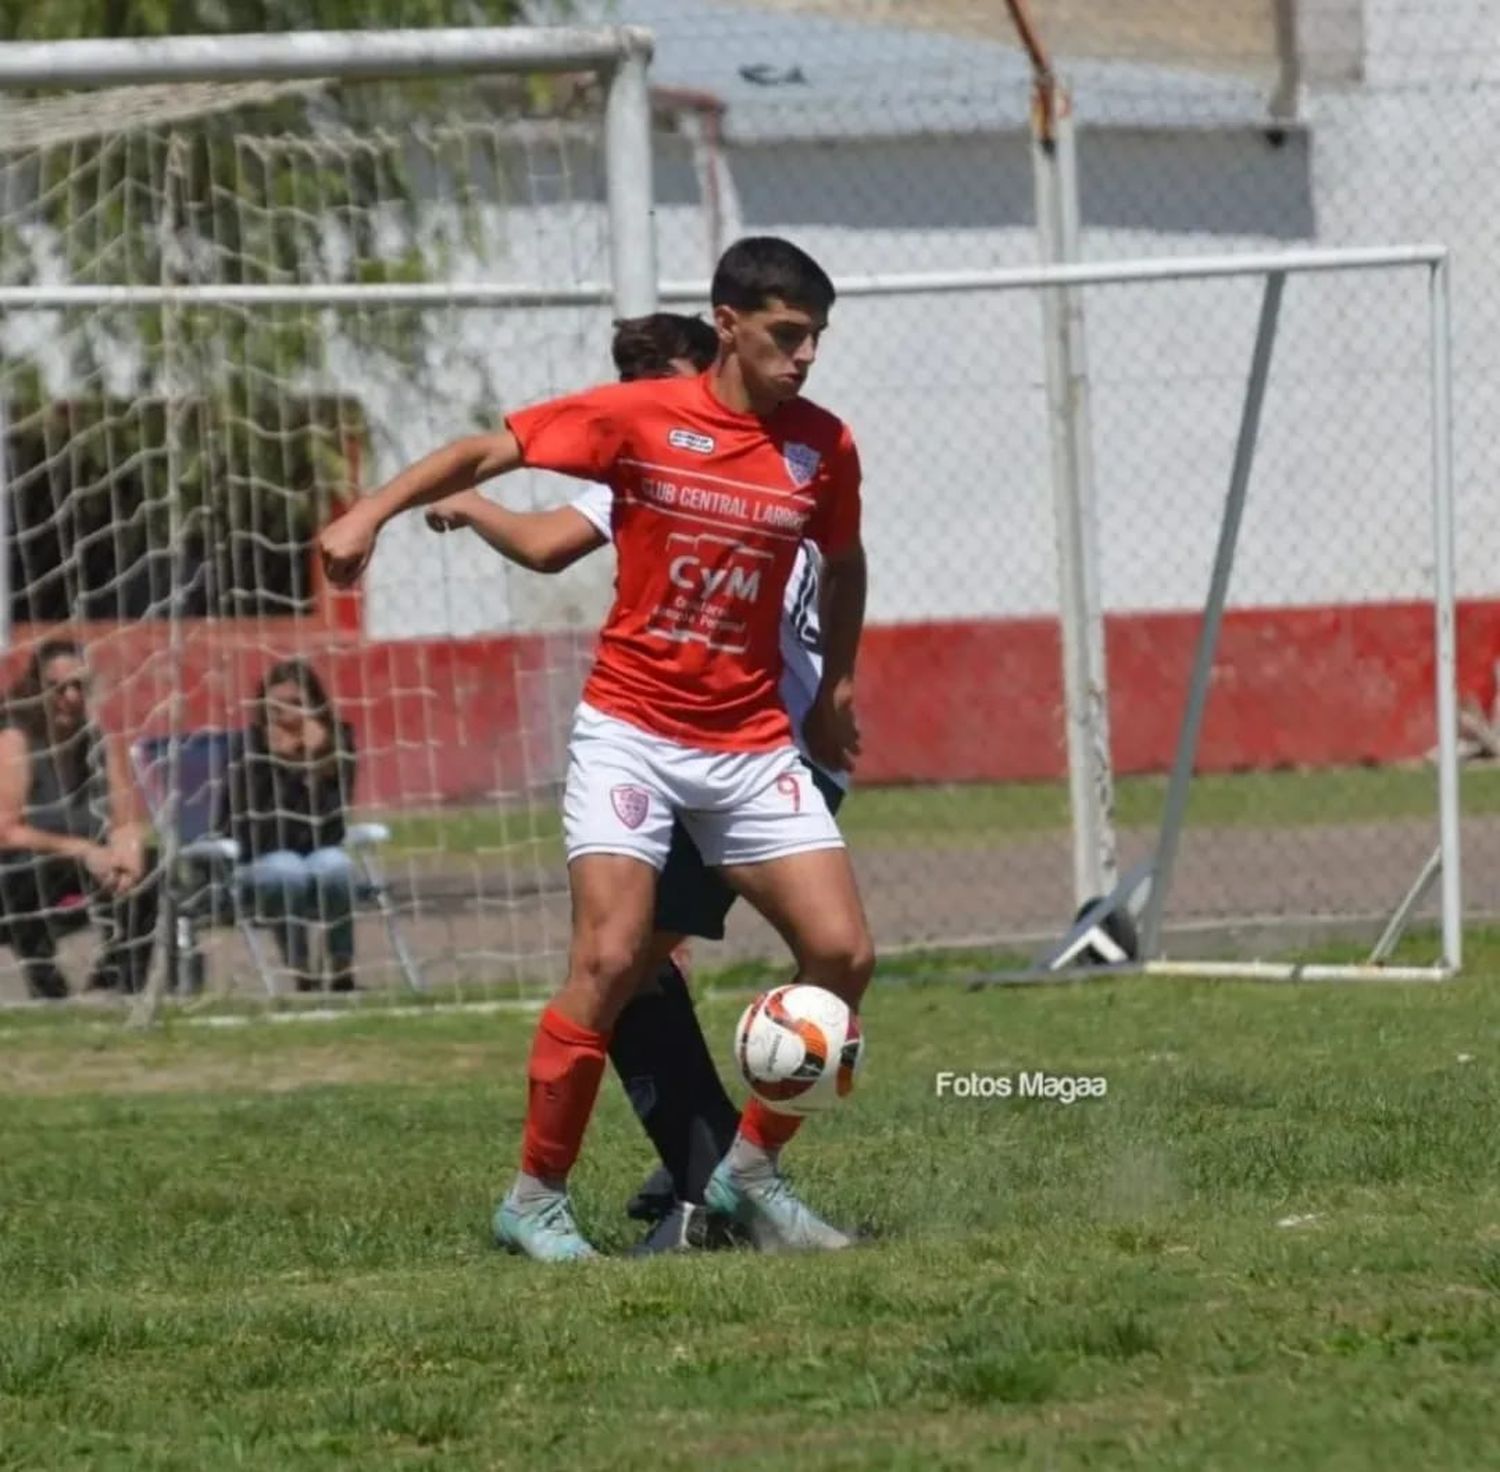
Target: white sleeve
{"x":799,"y":604}
{"x":595,"y":506}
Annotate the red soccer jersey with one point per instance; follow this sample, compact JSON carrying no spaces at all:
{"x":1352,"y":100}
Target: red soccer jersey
{"x":709,"y":507}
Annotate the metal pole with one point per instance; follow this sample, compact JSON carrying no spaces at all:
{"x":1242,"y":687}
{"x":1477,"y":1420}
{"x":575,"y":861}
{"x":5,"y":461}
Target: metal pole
{"x":1213,"y":617}
{"x":1081,"y":425}
{"x":917,"y":283}
{"x":333,"y":294}
{"x":1445,"y":622}
{"x":1107,"y":273}
{"x":1290,"y":971}
{"x":627,"y":165}
{"x":1288,"y":89}
{"x":1395,"y":927}
{"x":1085,"y":696}
{"x":169,"y":837}
{"x":315,"y":54}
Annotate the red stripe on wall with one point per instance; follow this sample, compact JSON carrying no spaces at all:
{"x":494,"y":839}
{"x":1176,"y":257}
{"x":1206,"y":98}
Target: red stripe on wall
{"x":461,"y":720}
{"x":1312,"y":687}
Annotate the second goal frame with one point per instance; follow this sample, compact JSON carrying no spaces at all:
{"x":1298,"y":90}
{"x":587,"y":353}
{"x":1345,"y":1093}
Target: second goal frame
{"x":1153,"y":879}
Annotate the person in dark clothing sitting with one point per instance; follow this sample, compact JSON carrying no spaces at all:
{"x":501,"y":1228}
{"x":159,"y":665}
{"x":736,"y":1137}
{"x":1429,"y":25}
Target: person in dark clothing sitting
{"x":68,"y":831}
{"x":290,"y":783}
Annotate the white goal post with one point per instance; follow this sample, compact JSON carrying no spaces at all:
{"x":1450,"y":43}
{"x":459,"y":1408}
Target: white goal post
{"x":621,"y":53}
{"x":1144,"y":890}
{"x":114,"y":187}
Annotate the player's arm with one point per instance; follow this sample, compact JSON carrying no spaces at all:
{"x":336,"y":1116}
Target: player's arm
{"x":579,"y":434}
{"x":542,"y":541}
{"x":345,"y":546}
{"x":831,"y":730}
{"x":843,"y":613}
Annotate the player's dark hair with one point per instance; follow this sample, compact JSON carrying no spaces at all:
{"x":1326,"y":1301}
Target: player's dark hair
{"x":760,"y":268}
{"x":644,"y":347}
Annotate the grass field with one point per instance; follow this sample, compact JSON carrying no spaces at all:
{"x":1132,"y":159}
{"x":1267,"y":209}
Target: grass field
{"x":987,"y":814}
{"x":1276,"y":1243}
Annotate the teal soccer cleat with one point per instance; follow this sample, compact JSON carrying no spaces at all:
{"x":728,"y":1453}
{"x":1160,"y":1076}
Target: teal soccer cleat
{"x":542,"y":1229}
{"x":771,"y":1212}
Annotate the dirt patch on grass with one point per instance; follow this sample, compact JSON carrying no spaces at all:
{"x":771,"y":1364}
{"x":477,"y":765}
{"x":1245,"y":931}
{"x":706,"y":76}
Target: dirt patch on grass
{"x":1237,"y":890}
{"x":53,"y":1071}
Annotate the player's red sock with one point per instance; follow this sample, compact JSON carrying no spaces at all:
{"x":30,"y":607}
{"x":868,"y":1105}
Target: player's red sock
{"x":567,"y":1062}
{"x":762,"y":1126}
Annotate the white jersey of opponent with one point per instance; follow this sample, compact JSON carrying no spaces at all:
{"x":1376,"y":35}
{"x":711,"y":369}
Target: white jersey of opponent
{"x":801,"y":633}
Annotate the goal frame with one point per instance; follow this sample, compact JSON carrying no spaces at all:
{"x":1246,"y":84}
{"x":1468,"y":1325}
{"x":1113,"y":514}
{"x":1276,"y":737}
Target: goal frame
{"x":619,"y":55}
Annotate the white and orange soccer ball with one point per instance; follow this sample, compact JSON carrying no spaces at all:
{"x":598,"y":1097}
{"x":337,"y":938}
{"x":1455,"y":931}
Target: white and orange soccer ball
{"x":799,"y":1048}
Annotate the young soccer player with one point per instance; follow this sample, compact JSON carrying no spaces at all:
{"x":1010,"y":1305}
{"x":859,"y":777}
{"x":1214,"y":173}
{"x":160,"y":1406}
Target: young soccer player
{"x":716,"y":482}
{"x":658,"y":1048}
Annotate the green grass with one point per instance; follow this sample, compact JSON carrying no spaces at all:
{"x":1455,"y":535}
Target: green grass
{"x":985,"y":814}
{"x":266,"y":1248}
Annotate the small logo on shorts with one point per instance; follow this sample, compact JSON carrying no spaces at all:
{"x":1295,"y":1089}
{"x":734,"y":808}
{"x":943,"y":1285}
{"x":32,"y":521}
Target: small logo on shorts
{"x":631,"y":804}
{"x":686,"y":439}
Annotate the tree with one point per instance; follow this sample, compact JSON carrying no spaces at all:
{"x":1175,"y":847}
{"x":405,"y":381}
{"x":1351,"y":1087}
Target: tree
{"x":60,"y":20}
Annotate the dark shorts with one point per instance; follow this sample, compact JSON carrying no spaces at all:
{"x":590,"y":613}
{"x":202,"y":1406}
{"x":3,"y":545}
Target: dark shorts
{"x":691,"y":898}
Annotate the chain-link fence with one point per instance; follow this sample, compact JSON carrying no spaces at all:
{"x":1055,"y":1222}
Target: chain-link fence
{"x":888,"y":140}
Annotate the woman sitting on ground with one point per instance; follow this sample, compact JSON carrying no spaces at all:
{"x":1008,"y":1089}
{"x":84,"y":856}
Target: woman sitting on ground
{"x":68,"y":832}
{"x":291,"y":780}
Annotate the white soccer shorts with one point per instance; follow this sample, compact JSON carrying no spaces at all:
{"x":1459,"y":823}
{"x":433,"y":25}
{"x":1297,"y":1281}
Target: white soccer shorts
{"x":625,"y":787}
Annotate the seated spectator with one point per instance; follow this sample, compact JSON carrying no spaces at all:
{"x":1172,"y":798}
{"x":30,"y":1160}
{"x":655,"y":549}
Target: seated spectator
{"x":68,"y":832}
{"x":291,"y":779}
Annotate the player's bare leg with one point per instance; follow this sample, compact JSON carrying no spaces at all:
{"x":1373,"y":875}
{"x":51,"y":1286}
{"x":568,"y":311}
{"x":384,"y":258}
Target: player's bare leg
{"x":812,"y":900}
{"x":613,"y":898}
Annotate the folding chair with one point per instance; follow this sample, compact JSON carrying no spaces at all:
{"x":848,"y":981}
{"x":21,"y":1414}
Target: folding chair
{"x":203,"y":892}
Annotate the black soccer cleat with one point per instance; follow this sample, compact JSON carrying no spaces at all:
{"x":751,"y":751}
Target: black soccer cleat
{"x":654,"y":1199}
{"x":688,"y":1228}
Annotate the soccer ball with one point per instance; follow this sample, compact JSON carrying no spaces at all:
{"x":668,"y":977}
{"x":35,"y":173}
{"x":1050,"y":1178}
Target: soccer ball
{"x":798,"y":1047}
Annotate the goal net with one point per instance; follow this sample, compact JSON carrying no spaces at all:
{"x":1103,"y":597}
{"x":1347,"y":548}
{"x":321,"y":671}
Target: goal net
{"x":228,"y":307}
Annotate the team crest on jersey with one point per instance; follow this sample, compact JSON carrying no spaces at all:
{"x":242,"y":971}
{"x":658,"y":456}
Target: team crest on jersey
{"x":687,"y":439}
{"x":802,"y":462}
{"x":631,"y":804}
